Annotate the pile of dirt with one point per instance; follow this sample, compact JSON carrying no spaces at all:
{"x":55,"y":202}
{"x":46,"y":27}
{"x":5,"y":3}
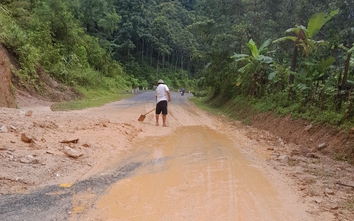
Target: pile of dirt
{"x":309,"y":138}
{"x":320,"y":180}
{"x":39,"y":147}
{"x":6,"y":97}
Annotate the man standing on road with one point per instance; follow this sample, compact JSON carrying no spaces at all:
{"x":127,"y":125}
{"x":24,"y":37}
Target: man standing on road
{"x":162,"y":97}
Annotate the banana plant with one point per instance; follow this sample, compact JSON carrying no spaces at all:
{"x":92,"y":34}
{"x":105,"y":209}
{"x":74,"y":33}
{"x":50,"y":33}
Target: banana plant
{"x":304,"y":37}
{"x":316,"y":70}
{"x":349,"y":52}
{"x":254,"y":65}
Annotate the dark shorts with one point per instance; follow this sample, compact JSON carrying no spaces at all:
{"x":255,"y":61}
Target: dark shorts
{"x":161,"y":107}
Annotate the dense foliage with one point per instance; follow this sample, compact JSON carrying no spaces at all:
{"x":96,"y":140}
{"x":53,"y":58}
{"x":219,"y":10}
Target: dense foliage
{"x":286,"y":56}
{"x":293,"y":56}
{"x":46,"y":34}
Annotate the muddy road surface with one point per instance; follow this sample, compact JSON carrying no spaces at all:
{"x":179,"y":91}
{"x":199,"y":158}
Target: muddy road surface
{"x":198,"y":168}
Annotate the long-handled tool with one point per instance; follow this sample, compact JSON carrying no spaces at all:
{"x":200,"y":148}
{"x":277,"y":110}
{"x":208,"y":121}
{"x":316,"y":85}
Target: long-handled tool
{"x":142,"y":117}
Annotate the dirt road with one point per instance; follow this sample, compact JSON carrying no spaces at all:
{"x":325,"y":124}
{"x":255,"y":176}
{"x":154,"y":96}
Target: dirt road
{"x":198,"y":168}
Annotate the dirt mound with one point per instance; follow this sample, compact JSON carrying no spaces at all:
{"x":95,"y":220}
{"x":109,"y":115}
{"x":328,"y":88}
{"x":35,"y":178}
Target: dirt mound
{"x":6,"y":96}
{"x":309,"y":138}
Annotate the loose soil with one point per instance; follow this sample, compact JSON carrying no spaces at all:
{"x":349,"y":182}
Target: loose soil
{"x":39,"y":147}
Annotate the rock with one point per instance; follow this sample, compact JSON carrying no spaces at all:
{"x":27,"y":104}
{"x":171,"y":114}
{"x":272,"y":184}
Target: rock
{"x":302,"y":188}
{"x":24,"y":160}
{"x":29,"y":159}
{"x":86,"y":145}
{"x":312,"y":155}
{"x":321,"y":146}
{"x":28,"y":113}
{"x":3,"y":129}
{"x":308,"y":127}
{"x":334,"y":207}
{"x":26,"y":139}
{"x":71,"y":152}
{"x":329,"y":191}
{"x":283,"y":159}
{"x":318,"y":201}
{"x":304,"y":195}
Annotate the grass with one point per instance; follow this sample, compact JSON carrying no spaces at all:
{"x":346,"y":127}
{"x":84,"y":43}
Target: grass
{"x":200,"y":103}
{"x":91,"y":98}
{"x":237,"y":109}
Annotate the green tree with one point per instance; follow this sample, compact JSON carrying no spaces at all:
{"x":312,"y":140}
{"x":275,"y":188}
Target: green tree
{"x":255,"y":65}
{"x":304,"y":37}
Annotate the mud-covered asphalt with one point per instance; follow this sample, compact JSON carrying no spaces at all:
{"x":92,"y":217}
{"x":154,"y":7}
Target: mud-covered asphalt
{"x":55,"y":202}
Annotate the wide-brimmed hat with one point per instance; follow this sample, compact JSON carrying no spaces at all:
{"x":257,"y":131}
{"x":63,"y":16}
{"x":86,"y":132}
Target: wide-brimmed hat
{"x":160,"y":81}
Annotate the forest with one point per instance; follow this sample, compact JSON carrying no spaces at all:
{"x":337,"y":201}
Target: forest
{"x":289,"y":57}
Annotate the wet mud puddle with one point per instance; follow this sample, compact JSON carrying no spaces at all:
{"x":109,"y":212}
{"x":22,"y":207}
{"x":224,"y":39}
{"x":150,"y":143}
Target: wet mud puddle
{"x":193,"y":174}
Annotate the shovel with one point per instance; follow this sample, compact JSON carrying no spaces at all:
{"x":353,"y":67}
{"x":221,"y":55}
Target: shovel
{"x":142,"y":117}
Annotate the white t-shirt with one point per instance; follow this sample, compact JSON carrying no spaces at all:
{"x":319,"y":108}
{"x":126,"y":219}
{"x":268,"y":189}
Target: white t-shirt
{"x":161,"y":92}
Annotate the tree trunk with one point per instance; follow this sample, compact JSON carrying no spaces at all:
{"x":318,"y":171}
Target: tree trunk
{"x":151,"y":52}
{"x":293,"y":64}
{"x":346,"y":69}
{"x":255,"y":19}
{"x":176,"y":62}
{"x":157,"y":65}
{"x":142,"y":50}
{"x":254,"y":85}
{"x":163,"y":61}
{"x":342,"y":85}
{"x":172,"y":60}
{"x":146,"y":51}
{"x":182,"y":62}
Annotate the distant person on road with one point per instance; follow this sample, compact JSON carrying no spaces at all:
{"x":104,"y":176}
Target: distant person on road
{"x":162,"y":97}
{"x":182,"y":91}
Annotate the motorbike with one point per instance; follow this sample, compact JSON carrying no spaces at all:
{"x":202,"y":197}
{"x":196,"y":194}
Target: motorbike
{"x":182,"y":93}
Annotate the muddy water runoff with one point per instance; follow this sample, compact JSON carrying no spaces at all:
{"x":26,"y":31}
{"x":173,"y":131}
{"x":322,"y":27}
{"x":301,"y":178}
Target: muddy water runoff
{"x":194,"y":173}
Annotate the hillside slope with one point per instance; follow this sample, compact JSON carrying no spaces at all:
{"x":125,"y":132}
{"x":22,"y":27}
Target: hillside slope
{"x":11,"y":87}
